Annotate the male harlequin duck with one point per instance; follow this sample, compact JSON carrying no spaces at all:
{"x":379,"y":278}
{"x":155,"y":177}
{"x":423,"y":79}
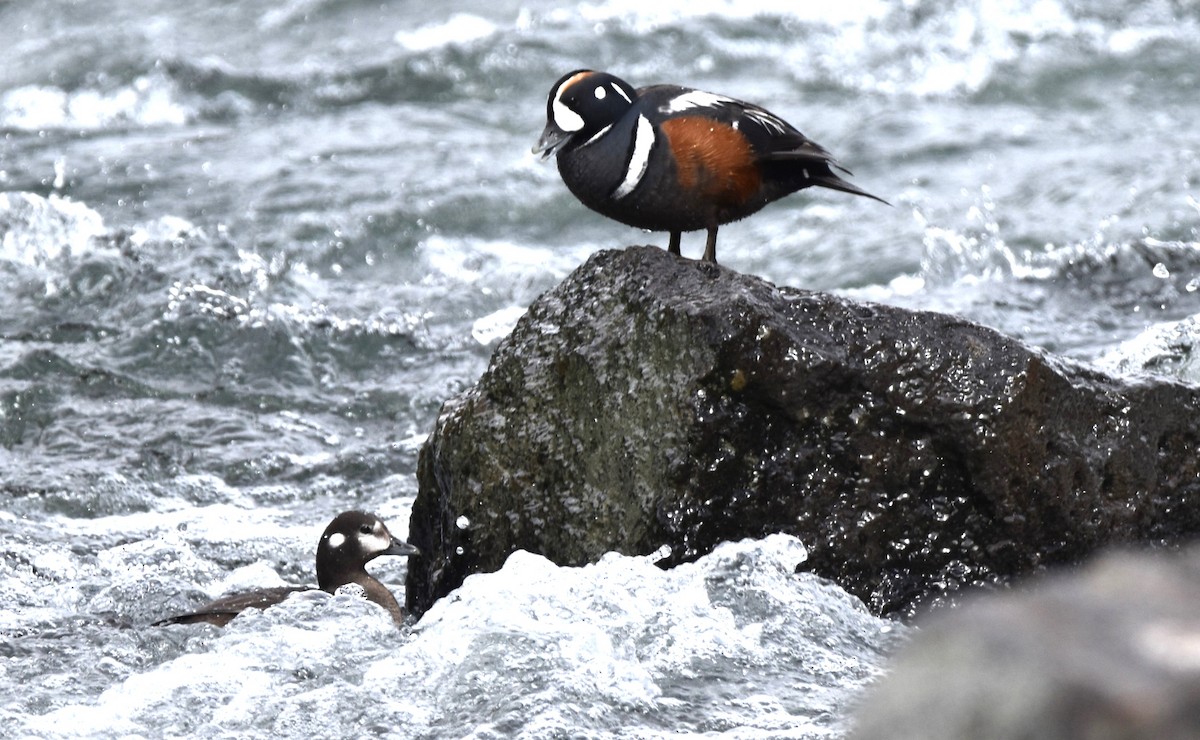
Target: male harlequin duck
{"x":668,"y":158}
{"x":352,"y":539}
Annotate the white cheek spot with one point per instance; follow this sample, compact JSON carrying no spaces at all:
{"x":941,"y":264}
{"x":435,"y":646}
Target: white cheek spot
{"x":377,"y":542}
{"x":601,"y":93}
{"x":336,"y":540}
{"x":643,"y":143}
{"x":565,"y":118}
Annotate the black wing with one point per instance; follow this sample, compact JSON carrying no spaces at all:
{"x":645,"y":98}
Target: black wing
{"x":775,"y":140}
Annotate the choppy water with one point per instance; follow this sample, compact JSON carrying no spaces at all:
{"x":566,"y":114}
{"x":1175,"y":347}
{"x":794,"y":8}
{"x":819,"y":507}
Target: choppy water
{"x":248,"y":249}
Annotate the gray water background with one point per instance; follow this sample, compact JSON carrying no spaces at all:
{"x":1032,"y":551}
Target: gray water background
{"x":249,"y":248}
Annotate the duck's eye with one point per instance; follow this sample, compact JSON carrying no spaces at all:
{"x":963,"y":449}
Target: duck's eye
{"x":365,"y":528}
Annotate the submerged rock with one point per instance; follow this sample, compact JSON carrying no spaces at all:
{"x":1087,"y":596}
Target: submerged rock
{"x":652,"y":401}
{"x":1111,"y":652}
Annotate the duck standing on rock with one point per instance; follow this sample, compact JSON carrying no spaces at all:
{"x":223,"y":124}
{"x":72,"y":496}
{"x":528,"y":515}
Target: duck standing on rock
{"x":669,"y":158}
{"x":352,"y":539}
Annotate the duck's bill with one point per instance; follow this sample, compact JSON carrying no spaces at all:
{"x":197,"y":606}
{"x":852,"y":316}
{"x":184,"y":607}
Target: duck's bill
{"x":553,"y":138}
{"x":399,"y":547}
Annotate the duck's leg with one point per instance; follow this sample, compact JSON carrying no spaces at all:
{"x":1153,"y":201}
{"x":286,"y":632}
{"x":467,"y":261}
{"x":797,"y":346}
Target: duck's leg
{"x":710,"y":247}
{"x":673,"y":245}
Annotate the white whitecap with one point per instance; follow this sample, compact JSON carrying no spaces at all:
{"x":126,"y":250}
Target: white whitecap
{"x":496,"y":325}
{"x":1167,"y":348}
{"x":37,"y":229}
{"x":163,"y":229}
{"x":500,"y":267}
{"x":147,"y":101}
{"x":621,"y":637}
{"x":460,"y":28}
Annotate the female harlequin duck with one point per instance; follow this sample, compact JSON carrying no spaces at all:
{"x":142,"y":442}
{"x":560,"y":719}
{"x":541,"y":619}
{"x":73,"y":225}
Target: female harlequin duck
{"x":352,"y":539}
{"x":668,"y":158}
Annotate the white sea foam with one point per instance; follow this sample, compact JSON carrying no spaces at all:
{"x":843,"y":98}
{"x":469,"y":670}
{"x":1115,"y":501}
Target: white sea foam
{"x":560,"y":649}
{"x":460,"y":28}
{"x":895,"y":48}
{"x":148,"y":101}
{"x":499,"y":267}
{"x":647,"y":16}
{"x":36,"y":229}
{"x":497,"y":325}
{"x":1169,"y":348}
{"x":555,"y":651}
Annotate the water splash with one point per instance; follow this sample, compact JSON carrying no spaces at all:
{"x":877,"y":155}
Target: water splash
{"x":37,"y":230}
{"x":1170,"y":348}
{"x":736,"y":642}
{"x":975,"y":251}
{"x":496,"y":325}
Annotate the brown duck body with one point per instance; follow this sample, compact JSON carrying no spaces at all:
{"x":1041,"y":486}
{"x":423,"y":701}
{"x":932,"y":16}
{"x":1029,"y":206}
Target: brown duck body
{"x":352,"y":539}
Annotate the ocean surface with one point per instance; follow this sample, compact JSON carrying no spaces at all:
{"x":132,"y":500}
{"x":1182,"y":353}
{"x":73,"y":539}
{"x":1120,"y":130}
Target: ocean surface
{"x":247,"y":249}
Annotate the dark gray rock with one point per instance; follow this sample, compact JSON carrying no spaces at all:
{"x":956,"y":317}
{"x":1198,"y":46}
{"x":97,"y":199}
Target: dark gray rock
{"x":650,"y":400}
{"x":1112,"y":652}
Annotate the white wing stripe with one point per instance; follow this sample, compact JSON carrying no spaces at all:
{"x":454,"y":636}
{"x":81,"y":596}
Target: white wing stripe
{"x":768,"y":120}
{"x":695,"y":99}
{"x":700,"y":99}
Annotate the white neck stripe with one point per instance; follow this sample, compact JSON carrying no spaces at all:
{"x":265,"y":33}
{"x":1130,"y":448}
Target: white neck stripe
{"x":643,"y":143}
{"x":598,"y":134}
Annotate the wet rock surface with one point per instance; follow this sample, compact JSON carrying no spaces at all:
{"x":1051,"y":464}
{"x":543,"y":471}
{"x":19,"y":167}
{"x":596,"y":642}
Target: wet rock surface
{"x":1112,"y":651}
{"x":650,"y":400}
